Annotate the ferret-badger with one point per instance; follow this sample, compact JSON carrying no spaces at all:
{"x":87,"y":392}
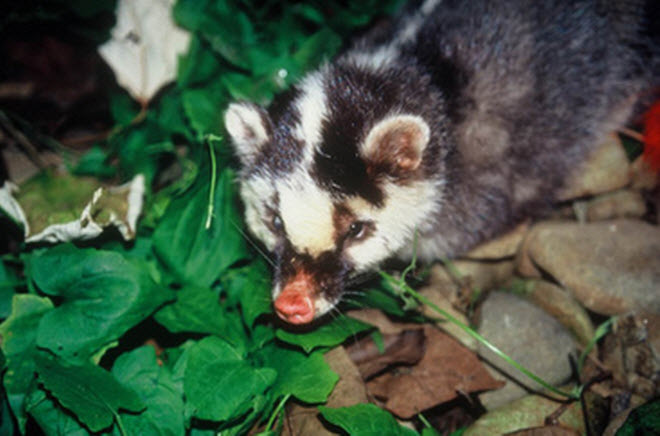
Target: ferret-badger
{"x":455,"y":121}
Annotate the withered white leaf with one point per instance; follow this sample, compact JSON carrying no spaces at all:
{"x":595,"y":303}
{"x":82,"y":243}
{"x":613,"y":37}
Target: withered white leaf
{"x":144,"y":47}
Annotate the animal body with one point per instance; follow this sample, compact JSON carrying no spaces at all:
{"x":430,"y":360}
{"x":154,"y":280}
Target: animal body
{"x":453,"y":122}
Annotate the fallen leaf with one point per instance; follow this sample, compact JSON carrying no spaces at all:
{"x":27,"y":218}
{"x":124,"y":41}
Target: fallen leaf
{"x":405,"y":348}
{"x":446,"y":371}
{"x":145,"y":46}
{"x":54,"y":208}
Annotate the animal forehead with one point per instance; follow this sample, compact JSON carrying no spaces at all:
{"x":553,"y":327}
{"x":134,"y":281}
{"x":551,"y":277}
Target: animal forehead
{"x":307,"y":213}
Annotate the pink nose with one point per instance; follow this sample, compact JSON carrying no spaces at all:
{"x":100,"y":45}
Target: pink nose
{"x":294,"y":306}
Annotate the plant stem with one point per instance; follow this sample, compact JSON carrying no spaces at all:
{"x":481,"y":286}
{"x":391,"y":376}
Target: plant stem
{"x":209,"y":213}
{"x":120,"y":424}
{"x":424,"y":420}
{"x":404,"y":286}
{"x":276,"y":412}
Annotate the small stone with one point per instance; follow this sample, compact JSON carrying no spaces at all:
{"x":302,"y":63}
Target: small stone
{"x":618,"y":204}
{"x":606,"y":169}
{"x":529,"y":336}
{"x":502,"y":247}
{"x":560,"y":304}
{"x":611,"y":267}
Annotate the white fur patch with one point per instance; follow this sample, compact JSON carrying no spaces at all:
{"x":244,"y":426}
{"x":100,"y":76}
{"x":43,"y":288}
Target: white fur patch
{"x":409,"y":31}
{"x":255,"y":192}
{"x":306,"y":211}
{"x":312,"y":106}
{"x":245,"y":125}
{"x":322,"y":306}
{"x":407,"y":208}
{"x":376,"y":59}
{"x":429,"y":6}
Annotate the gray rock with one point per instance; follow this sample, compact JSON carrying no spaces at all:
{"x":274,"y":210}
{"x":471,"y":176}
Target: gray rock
{"x":611,"y":267}
{"x":531,"y":337}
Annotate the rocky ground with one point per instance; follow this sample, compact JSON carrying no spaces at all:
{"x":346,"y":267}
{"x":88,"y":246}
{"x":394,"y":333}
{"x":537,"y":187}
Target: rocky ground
{"x":538,"y":293}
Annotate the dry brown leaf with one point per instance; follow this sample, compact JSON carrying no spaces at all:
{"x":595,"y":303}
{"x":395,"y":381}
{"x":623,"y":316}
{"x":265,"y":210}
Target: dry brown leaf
{"x":447,"y":370}
{"x":405,"y":348}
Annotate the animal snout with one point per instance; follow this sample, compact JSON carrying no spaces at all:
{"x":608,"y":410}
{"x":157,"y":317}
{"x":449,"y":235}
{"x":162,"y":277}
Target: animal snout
{"x":295,"y":304}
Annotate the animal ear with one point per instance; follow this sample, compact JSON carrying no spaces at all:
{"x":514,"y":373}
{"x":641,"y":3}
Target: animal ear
{"x":395,"y":145}
{"x":249,"y":128}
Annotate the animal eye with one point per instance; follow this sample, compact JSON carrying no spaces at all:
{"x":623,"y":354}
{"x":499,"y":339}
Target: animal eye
{"x":357,"y":230}
{"x":278,"y":225}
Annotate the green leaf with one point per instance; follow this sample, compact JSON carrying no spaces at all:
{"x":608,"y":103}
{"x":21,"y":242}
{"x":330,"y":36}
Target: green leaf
{"x":204,"y":106}
{"x":123,"y":108}
{"x":246,"y":422}
{"x":385,"y":300}
{"x":198,"y":310}
{"x":327,"y":335}
{"x":645,"y":419}
{"x":88,"y":391}
{"x":191,"y":252}
{"x":139,"y":371}
{"x":51,"y":417}
{"x":316,"y":48}
{"x":103,"y":295}
{"x":223,"y":24}
{"x":306,"y":377}
{"x":94,"y":163}
{"x":219,"y":383}
{"x":249,"y":286}
{"x":140,"y":148}
{"x":365,"y":420}
{"x":7,"y":426}
{"x":8,"y":284}
{"x":18,"y":334}
{"x":169,"y":115}
{"x":197,"y":66}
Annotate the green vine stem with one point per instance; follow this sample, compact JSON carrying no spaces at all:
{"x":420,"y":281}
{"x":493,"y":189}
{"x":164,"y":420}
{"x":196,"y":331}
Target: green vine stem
{"x":120,"y":424}
{"x":209,"y":214}
{"x":400,"y":284}
{"x":276,"y":412}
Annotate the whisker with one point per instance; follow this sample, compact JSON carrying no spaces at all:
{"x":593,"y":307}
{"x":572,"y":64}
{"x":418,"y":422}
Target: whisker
{"x":253,"y":244}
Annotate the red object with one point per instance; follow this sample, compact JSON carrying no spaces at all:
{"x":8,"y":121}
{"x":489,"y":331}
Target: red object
{"x":652,"y":136}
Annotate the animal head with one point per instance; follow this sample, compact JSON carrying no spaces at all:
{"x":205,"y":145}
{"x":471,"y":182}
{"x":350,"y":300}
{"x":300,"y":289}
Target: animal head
{"x":333,"y":182}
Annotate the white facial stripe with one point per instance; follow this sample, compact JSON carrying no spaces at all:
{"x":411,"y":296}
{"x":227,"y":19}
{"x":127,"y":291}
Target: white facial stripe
{"x":256,"y":192}
{"x":429,"y":6}
{"x":381,"y":57}
{"x":407,"y":208}
{"x":312,"y":107}
{"x":409,"y":31}
{"x":307,"y":212}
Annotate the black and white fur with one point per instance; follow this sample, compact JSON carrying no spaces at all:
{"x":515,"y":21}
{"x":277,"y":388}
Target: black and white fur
{"x":455,"y":121}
